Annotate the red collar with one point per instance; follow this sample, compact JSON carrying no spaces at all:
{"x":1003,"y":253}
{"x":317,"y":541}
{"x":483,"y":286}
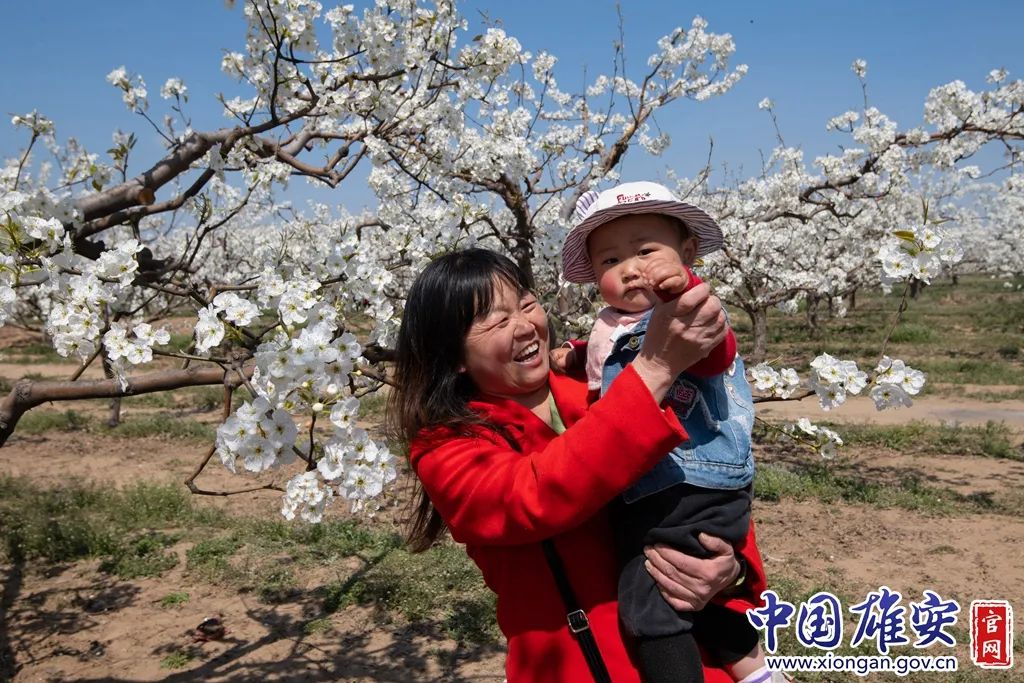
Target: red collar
{"x":528,"y":430}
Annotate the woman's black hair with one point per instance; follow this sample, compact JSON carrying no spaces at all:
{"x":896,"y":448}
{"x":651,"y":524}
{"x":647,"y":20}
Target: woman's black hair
{"x":444,"y":300}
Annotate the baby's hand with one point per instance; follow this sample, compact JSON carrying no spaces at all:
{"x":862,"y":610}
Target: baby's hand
{"x":666,"y":278}
{"x":562,"y":359}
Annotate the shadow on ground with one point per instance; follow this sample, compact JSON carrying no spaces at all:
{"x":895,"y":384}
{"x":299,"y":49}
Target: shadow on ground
{"x":75,"y":627}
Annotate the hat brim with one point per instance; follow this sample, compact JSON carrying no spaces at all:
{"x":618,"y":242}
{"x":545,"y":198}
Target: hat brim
{"x":576,"y":261}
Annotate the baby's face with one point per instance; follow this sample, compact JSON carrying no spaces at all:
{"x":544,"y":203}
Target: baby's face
{"x":619,"y":249}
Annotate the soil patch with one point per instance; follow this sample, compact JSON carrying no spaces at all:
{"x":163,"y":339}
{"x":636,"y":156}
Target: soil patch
{"x":938,"y":409}
{"x":74,"y":622}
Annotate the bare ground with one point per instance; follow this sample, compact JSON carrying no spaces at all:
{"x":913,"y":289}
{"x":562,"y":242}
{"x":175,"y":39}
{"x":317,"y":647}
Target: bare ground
{"x":76,"y":623}
{"x":942,"y":409}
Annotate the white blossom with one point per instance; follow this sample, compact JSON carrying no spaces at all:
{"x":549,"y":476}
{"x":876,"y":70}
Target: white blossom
{"x":173,"y":88}
{"x":305,"y":496}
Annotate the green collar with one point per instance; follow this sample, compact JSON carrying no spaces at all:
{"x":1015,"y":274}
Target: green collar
{"x":556,"y":419}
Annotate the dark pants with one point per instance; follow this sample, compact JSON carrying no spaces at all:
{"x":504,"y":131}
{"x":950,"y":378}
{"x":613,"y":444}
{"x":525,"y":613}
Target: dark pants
{"x":666,"y":638}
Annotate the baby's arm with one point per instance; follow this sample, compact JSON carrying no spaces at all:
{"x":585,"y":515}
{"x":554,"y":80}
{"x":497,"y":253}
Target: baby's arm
{"x":665,"y":279}
{"x":721,"y":357}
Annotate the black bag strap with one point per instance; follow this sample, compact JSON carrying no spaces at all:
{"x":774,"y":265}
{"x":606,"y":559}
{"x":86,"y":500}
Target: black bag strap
{"x":579,"y":624}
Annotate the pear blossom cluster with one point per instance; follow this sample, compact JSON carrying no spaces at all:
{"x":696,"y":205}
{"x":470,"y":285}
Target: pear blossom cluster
{"x":132,"y":87}
{"x":8,"y":296}
{"x":259,"y":435}
{"x":174,"y":88}
{"x":895,"y":383}
{"x":307,"y":496}
{"x":917,"y":252}
{"x":822,"y":439}
{"x":833,"y":379}
{"x":779,"y":383}
{"x":292,"y":298}
{"x":226,"y":306}
{"x":891,"y":386}
{"x":34,"y":121}
{"x":306,"y":377}
{"x":134,"y":350}
{"x":78,"y":292}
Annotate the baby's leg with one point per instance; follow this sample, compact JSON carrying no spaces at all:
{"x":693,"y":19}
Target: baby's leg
{"x":729,"y":640}
{"x":751,"y":669}
{"x":676,"y":516}
{"x":670,"y":659}
{"x":665,"y":647}
{"x":643,"y":610}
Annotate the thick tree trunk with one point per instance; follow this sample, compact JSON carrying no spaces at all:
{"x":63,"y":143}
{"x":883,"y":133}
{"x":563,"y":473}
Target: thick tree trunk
{"x":522,"y":252}
{"x":812,"y":313}
{"x":759,"y":323}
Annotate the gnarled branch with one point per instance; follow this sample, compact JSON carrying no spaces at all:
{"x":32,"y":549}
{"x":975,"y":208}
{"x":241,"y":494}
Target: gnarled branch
{"x":28,"y":394}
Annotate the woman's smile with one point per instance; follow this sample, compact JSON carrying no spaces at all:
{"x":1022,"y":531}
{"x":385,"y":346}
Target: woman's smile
{"x":529,"y":355}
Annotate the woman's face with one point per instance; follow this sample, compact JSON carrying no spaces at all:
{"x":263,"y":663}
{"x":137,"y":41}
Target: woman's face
{"x":506,"y":349}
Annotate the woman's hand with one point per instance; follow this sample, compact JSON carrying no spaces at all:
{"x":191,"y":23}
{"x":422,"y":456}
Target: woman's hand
{"x":680,"y":333}
{"x":687,"y":583}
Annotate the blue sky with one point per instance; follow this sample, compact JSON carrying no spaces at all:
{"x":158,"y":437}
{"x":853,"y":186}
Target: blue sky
{"x":56,"y":55}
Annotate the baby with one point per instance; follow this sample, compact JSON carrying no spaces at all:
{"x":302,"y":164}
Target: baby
{"x":637,"y":241}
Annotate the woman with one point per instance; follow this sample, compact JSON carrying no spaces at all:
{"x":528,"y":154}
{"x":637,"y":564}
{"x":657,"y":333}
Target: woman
{"x":481,"y":413}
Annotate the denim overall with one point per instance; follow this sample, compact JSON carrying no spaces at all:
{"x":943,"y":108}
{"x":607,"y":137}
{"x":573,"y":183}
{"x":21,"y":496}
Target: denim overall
{"x":702,"y":485}
{"x":718,"y":414}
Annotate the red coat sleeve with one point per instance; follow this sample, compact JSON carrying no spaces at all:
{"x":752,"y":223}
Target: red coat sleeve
{"x":722,"y":356}
{"x":490,"y":494}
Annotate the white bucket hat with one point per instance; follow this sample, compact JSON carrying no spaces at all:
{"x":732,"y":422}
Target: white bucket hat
{"x":594,"y":209}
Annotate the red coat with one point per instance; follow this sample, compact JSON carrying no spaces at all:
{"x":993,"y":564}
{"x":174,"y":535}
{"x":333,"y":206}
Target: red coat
{"x":501,"y":503}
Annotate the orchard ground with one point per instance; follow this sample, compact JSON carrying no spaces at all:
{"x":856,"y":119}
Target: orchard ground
{"x":107,"y":563}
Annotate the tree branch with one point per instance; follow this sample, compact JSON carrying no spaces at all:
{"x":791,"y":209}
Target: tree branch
{"x":28,"y":394}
